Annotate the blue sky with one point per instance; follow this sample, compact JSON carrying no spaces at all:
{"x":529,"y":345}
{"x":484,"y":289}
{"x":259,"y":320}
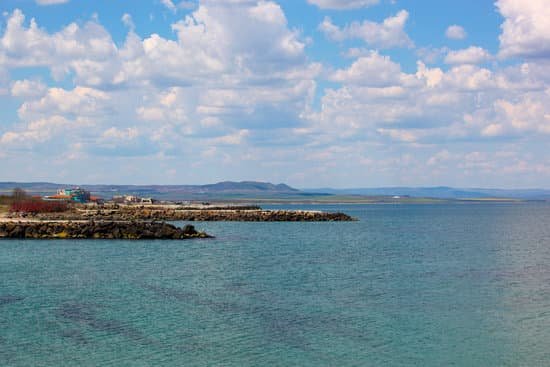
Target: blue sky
{"x":341,"y":93}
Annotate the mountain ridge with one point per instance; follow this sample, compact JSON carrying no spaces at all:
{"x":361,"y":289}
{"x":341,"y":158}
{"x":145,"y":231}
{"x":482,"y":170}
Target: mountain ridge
{"x":168,"y":192}
{"x":441,"y":192}
{"x":243,"y":189}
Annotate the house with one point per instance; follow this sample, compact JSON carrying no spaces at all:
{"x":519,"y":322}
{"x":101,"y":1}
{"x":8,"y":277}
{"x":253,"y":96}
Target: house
{"x":76,"y":195}
{"x":148,"y":201}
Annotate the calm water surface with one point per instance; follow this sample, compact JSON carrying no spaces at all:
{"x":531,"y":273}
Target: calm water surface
{"x":407,"y":285}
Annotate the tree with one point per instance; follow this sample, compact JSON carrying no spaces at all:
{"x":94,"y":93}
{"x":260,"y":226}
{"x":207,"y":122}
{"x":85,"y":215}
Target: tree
{"x":18,"y":195}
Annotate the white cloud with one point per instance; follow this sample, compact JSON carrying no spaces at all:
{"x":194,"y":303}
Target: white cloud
{"x":41,"y":131}
{"x":128,"y":21}
{"x":343,"y":4}
{"x":388,"y":34}
{"x":464,"y":78}
{"x":51,"y":2}
{"x":470,"y":55}
{"x":399,"y":134}
{"x":440,"y":157}
{"x":377,"y":100}
{"x":27,"y":88}
{"x":432,"y":77}
{"x":234,"y":138}
{"x":216,"y":90}
{"x":431,"y":55}
{"x":526,"y":28}
{"x":372,"y":70}
{"x":81,"y":101}
{"x":120,"y":134}
{"x":169,"y":4}
{"x":530,"y":114}
{"x":86,"y":50}
{"x":186,"y":5}
{"x":172,"y":105}
{"x":455,"y":32}
{"x":218,"y":78}
{"x":268,"y":12}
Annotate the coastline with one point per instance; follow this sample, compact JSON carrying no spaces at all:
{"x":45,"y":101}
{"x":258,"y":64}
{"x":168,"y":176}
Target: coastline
{"x":186,"y":213}
{"x":65,"y":229}
{"x":137,"y":222}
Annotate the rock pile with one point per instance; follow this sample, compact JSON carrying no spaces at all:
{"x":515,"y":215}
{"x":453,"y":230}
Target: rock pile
{"x":130,"y":213}
{"x":131,"y":230}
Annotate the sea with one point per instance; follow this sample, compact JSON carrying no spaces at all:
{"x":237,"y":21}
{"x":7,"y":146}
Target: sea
{"x":405,"y":285}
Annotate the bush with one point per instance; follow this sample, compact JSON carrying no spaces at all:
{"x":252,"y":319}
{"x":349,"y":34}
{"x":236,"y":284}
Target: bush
{"x":5,"y":200}
{"x":35,"y":206}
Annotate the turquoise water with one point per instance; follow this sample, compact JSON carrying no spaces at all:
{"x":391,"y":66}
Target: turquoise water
{"x":407,"y":285}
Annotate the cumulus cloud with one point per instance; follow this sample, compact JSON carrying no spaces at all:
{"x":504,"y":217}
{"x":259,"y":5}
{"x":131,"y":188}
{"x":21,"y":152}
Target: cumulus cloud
{"x":27,"y":88}
{"x":530,"y":114}
{"x":343,"y":4}
{"x":526,"y":29}
{"x":377,"y":100}
{"x":388,"y":34}
{"x":38,"y":131}
{"x":217,"y":79}
{"x":216,"y":90}
{"x":455,"y":32}
{"x":372,"y":70}
{"x":470,"y":55}
{"x":81,"y":101}
{"x":208,"y":42}
{"x":85,"y":50}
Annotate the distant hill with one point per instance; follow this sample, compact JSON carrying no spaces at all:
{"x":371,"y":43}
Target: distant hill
{"x":228,"y":190}
{"x":221,"y":190}
{"x":441,"y":192}
{"x":248,"y":186}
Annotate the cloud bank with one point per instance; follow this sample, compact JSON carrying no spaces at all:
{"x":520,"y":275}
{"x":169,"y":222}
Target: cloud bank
{"x":236,"y":94}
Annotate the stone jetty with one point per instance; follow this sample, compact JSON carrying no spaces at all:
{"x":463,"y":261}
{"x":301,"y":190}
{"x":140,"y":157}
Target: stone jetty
{"x":127,"y":230}
{"x":170,"y":213}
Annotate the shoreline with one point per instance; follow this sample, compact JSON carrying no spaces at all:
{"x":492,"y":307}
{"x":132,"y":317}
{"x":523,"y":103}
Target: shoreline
{"x":135,"y":222}
{"x":90,"y":229}
{"x":183,"y":213}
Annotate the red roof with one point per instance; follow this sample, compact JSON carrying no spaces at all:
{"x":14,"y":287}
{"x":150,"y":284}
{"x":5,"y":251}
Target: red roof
{"x":59,"y":197}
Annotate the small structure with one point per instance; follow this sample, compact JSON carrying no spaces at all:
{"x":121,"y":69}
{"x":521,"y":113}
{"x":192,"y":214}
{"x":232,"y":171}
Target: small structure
{"x":132,"y":199}
{"x":97,"y":200}
{"x":118,"y":199}
{"x":77,"y":195}
{"x":148,"y":201}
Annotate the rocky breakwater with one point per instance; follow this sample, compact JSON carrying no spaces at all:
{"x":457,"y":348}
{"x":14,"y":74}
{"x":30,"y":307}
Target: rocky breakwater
{"x":131,"y":230}
{"x":261,"y":216}
{"x":159,"y":213}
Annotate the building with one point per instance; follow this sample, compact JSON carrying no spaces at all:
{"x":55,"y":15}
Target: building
{"x":76,"y":195}
{"x":132,"y":199}
{"x":147,"y":201}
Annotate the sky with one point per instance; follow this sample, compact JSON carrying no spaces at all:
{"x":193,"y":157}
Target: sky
{"x":312,"y":93}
